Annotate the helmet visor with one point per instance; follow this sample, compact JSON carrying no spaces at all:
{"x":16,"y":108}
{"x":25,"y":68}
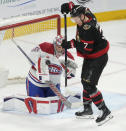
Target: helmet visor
{"x":75,"y":19}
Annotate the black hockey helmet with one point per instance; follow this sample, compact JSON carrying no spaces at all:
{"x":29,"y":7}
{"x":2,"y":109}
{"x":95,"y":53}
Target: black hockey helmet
{"x":77,"y":10}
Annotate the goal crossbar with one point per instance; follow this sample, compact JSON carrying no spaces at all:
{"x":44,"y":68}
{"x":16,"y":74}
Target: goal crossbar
{"x":35,"y":21}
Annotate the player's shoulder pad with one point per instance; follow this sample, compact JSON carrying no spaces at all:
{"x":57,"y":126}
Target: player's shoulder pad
{"x":86,"y":27}
{"x":47,"y":47}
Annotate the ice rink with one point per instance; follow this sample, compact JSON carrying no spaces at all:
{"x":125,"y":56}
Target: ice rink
{"x":112,"y":84}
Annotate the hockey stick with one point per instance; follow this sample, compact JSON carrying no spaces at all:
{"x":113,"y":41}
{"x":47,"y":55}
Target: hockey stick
{"x":61,"y":97}
{"x":65,"y":31}
{"x":23,"y":52}
{"x":32,"y":63}
{"x":53,"y":88}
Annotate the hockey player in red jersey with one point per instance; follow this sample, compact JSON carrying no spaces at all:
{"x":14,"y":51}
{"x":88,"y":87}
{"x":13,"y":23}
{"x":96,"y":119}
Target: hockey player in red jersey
{"x":93,"y":47}
{"x":49,"y":65}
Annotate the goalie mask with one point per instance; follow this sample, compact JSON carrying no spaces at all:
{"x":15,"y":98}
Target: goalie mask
{"x":58,"y":40}
{"x":57,"y":45}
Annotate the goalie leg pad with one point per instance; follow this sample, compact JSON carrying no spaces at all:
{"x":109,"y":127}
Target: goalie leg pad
{"x":35,"y":105}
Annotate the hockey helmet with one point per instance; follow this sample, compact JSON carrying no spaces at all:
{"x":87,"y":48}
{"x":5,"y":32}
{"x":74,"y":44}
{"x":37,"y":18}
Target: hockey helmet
{"x":77,"y":10}
{"x":58,"y":40}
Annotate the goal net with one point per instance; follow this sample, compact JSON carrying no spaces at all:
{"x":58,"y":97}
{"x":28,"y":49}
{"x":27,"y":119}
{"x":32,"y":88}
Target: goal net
{"x":27,"y":34}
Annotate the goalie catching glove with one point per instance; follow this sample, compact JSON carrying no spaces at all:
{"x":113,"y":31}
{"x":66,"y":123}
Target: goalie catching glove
{"x":71,"y":68}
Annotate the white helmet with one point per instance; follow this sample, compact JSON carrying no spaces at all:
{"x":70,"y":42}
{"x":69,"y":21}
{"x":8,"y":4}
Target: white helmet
{"x":58,"y":40}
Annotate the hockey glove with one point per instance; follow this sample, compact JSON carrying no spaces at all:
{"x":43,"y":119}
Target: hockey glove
{"x":66,"y":44}
{"x":69,"y":76}
{"x":65,"y":8}
{"x":71,"y":68}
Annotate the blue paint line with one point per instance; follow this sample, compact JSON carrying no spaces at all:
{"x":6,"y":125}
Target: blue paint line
{"x":22,"y":3}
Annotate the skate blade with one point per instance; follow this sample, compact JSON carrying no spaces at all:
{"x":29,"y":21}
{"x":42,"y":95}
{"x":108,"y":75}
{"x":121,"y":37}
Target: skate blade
{"x":85,"y":117}
{"x":109,"y":117}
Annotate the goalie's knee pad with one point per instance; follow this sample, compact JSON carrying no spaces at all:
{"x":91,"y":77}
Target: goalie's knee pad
{"x":89,"y":87}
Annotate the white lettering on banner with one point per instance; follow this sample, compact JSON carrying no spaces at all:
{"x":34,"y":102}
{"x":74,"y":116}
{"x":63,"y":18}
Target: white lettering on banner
{"x":41,"y":12}
{"x":17,"y":8}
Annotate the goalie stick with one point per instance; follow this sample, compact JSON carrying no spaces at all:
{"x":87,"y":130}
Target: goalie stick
{"x":53,"y":88}
{"x":62,"y":97}
{"x":23,"y":52}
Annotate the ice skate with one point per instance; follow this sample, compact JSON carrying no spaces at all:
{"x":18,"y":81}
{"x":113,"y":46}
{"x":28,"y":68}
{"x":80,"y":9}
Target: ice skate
{"x":104,"y":116}
{"x":87,"y":113}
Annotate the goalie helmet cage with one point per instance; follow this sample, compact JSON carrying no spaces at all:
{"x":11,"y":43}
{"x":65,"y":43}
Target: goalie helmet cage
{"x":30,"y":27}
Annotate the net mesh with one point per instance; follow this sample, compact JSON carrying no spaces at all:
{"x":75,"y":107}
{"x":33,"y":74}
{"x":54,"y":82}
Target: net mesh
{"x":44,"y":25}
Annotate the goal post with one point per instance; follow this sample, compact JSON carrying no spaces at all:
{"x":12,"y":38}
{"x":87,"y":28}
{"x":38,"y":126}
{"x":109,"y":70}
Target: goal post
{"x":27,"y":34}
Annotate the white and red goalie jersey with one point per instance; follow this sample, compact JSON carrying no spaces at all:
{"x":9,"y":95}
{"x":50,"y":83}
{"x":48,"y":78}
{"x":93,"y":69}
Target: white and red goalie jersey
{"x":49,"y":66}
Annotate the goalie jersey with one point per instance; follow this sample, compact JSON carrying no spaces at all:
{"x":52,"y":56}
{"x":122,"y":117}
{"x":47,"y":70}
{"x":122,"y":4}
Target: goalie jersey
{"x":48,"y":66}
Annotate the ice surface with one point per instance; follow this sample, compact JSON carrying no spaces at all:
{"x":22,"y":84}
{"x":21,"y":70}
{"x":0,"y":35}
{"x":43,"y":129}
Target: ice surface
{"x":112,"y":84}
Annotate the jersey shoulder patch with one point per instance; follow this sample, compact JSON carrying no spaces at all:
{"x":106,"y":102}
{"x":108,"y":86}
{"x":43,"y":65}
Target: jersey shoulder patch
{"x":86,"y":27}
